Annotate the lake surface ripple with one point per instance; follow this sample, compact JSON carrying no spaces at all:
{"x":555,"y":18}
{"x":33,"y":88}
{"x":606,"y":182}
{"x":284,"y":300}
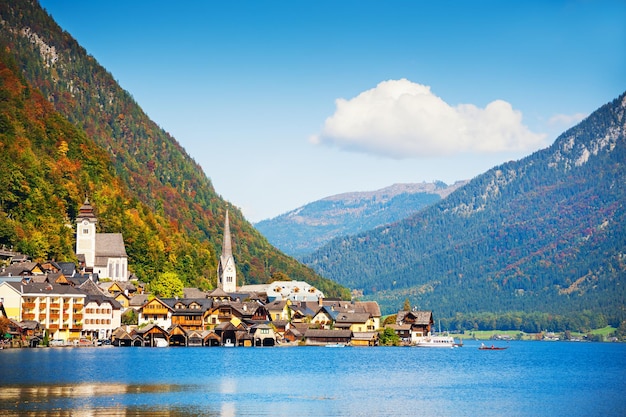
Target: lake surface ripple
{"x":528,"y":379}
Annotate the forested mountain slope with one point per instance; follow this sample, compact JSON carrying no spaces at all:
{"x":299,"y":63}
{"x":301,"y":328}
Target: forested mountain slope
{"x":546,"y":233}
{"x":155,"y":178}
{"x":305,"y":229}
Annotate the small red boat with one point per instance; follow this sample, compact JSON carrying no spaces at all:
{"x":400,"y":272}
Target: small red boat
{"x":492,"y":347}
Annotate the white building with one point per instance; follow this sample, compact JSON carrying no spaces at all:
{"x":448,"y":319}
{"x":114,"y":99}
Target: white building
{"x":286,"y":290}
{"x":104,"y":253}
{"x":59,"y":308}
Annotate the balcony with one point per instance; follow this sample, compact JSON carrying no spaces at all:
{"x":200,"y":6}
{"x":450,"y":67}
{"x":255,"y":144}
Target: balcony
{"x":42,"y":306}
{"x":155,"y":311}
{"x":53,"y":326}
{"x":55,"y":306}
{"x":28,"y":306}
{"x":77,"y":316}
{"x":54,"y":316}
{"x":185,"y":322}
{"x":28,"y":316}
{"x":66,"y":306}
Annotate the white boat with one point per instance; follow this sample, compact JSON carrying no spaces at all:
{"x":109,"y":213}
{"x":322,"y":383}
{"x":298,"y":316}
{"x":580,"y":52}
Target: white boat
{"x":436,"y":342}
{"x":229,"y":343}
{"x":158,"y":342}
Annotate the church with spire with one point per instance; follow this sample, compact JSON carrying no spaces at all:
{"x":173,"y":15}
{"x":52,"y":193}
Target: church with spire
{"x":226,"y":270}
{"x":100,"y":253}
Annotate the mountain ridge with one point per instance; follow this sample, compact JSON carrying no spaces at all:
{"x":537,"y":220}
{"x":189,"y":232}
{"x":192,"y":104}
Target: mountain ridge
{"x":545,"y":232}
{"x":304,"y":229}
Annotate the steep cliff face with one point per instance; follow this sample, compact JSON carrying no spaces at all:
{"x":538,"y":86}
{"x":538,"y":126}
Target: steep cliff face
{"x":545,"y":233}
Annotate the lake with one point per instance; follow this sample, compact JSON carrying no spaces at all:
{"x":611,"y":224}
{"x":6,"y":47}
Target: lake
{"x":527,"y":379}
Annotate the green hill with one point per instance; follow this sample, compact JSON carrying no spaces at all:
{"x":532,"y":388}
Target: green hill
{"x":545,"y":234}
{"x":95,"y":140}
{"x":305,"y":229}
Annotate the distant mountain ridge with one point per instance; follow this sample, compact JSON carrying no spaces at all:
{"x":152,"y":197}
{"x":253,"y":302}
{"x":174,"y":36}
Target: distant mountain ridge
{"x":546,"y":233}
{"x":307,"y":228}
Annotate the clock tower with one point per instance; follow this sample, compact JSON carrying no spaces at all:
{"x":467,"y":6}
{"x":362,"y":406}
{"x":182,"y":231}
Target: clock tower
{"x":86,"y":234}
{"x":226,"y":270}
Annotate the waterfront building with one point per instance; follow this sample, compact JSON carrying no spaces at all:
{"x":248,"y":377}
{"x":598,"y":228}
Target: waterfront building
{"x":59,"y":308}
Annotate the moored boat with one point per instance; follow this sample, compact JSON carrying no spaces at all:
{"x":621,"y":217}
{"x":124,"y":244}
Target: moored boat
{"x":492,"y":347}
{"x":436,"y":342}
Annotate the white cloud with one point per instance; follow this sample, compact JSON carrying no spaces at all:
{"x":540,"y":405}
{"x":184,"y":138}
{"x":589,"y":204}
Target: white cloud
{"x":402,"y":119}
{"x":566,"y":121}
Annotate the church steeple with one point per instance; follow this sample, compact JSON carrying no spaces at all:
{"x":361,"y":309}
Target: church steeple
{"x":226,"y":271}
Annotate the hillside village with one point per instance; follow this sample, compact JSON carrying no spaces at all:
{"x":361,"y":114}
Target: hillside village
{"x":63,"y":304}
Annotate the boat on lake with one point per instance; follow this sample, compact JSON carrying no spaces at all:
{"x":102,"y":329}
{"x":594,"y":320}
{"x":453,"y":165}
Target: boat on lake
{"x":492,"y":347}
{"x":436,"y":342}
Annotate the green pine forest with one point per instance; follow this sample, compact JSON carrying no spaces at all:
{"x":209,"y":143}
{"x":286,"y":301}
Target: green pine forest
{"x":68,"y":131}
{"x":539,"y":240}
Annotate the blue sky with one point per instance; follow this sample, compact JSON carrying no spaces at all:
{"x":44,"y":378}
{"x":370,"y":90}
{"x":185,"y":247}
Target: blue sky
{"x":286,"y":102}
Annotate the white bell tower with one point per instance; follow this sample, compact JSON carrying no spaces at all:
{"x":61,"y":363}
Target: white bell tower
{"x":86,"y":234}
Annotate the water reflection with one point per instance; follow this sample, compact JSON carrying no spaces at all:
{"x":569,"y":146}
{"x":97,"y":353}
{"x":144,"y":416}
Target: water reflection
{"x":99,"y":400}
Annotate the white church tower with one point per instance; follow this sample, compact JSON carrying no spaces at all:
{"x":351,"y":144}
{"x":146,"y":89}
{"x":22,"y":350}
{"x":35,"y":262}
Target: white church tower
{"x":86,"y":234}
{"x":226,"y":271}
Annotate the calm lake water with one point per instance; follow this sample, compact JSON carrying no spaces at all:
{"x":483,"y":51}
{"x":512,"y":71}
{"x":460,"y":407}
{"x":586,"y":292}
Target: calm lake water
{"x":528,"y":379}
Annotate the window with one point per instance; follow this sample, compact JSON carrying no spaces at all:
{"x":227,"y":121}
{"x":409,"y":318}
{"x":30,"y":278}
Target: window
{"x":85,"y":231}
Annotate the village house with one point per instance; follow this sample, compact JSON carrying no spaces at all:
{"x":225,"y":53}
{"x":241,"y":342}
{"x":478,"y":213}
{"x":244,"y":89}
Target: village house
{"x":155,"y":311}
{"x":59,"y":308}
{"x":413,"y":326}
{"x":189,"y":314}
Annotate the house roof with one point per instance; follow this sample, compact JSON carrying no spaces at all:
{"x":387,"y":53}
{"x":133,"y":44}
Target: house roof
{"x":218,"y":293}
{"x":352,"y":317}
{"x":91,"y":288}
{"x":100,"y":299}
{"x":423,"y":317}
{"x":194,"y":293}
{"x":365,"y":335}
{"x":110,"y":245}
{"x":322,"y":333}
{"x":186,"y":303}
{"x":36,"y":288}
{"x":138,"y":300}
{"x":21,"y":268}
{"x":68,"y":268}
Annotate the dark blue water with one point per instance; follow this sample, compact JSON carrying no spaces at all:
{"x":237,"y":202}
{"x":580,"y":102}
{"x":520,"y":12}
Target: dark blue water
{"x":528,"y":379}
